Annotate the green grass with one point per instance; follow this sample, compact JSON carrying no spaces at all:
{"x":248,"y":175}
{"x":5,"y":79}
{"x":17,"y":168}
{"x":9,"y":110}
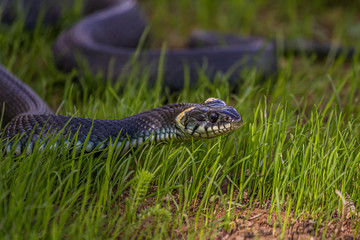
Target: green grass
{"x":299,"y":142}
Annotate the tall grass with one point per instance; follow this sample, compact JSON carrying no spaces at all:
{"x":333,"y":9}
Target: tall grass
{"x":299,"y":142}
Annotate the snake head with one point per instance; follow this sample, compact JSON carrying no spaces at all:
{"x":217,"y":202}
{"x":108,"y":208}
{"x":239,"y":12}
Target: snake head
{"x":210,"y":119}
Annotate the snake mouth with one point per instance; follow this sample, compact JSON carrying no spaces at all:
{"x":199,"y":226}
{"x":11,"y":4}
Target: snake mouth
{"x":221,"y":129}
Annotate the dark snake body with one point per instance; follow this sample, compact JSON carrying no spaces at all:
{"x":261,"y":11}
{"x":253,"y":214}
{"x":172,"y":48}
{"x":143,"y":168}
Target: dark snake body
{"x":155,"y":125}
{"x":110,"y":37}
{"x":27,"y":115}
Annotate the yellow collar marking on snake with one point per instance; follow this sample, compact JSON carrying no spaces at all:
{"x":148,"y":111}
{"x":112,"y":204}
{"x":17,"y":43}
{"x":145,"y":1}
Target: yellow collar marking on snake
{"x":181,"y":115}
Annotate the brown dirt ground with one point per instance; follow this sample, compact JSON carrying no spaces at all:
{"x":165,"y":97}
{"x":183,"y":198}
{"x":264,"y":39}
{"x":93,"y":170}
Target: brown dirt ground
{"x":257,"y":226}
{"x":255,"y":223}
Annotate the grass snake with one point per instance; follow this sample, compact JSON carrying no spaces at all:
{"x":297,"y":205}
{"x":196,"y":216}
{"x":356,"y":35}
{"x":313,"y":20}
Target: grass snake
{"x":27,"y":117}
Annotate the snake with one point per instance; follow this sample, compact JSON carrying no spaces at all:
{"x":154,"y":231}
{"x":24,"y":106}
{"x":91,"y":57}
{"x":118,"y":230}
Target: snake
{"x":28,"y":119}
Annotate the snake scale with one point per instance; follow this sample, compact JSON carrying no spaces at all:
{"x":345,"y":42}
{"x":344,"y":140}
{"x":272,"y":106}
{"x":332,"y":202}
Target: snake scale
{"x":28,"y":118}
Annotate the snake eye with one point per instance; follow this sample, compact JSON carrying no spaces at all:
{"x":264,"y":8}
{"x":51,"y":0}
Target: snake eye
{"x":213,"y":116}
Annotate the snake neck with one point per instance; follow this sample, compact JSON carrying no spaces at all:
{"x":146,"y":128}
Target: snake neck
{"x":157,"y":124}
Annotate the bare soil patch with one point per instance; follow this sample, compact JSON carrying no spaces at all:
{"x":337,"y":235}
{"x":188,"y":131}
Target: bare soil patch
{"x":257,"y":223}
